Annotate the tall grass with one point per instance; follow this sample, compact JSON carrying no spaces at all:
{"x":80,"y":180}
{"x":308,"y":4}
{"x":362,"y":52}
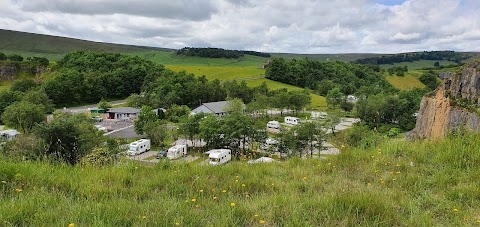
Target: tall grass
{"x":397,"y":184}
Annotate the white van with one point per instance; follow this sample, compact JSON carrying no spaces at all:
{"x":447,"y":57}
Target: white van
{"x":292,"y":120}
{"x":139,"y":147}
{"x":273,"y":124}
{"x":176,"y":151}
{"x":219,"y":156}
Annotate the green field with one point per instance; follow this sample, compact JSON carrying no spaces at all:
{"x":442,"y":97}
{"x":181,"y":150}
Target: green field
{"x":409,"y":81}
{"x":418,"y":64}
{"x":222,"y":73}
{"x":402,"y":184}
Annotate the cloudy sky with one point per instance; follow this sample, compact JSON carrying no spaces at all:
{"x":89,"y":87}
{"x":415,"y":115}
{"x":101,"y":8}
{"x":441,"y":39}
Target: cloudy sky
{"x":308,"y":26}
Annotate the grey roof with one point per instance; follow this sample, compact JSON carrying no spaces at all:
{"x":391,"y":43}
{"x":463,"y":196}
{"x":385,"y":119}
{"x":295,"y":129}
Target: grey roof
{"x":214,"y":107}
{"x":127,"y":110}
{"x":10,"y":132}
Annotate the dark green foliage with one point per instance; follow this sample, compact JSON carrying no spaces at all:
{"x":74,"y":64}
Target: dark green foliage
{"x":15,"y":57}
{"x":7,"y":98}
{"x":38,"y":96}
{"x":436,"y":64}
{"x":410,"y":57}
{"x":176,"y":112}
{"x":359,"y":136}
{"x":41,"y":61}
{"x":217,"y":53}
{"x":23,"y":115}
{"x":390,"y":109}
{"x":430,"y":80}
{"x":398,"y":70}
{"x":3,"y":56}
{"x":335,"y":97}
{"x":103,"y":104}
{"x":68,"y":138}
{"x":23,"y":85}
{"x":182,"y":89}
{"x":90,"y":76}
{"x":324,"y":75}
{"x":239,"y":90}
{"x":147,"y":115}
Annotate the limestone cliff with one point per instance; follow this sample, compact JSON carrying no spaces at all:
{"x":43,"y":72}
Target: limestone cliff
{"x":9,"y":71}
{"x":439,"y":114}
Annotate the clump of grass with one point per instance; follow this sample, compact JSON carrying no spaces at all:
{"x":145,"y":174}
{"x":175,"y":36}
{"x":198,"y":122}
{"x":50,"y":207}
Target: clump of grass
{"x":396,"y":184}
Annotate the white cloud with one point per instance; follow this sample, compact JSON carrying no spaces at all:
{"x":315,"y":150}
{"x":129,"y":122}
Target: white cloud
{"x":311,"y":26}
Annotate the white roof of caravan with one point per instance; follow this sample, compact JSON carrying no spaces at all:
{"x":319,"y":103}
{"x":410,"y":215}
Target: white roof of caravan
{"x":177,"y":146}
{"x":216,"y":152}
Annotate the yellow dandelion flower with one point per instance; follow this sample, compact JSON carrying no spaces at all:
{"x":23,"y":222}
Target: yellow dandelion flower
{"x":186,"y":201}
{"x":18,"y":190}
{"x":4,"y":182}
{"x":376,"y":171}
{"x":342,"y":147}
{"x":391,"y":172}
{"x":455,"y":209}
{"x":256,"y":215}
{"x":224,"y":191}
{"x":201,"y":190}
{"x":243,"y":185}
{"x":478,"y":221}
{"x":397,"y":165}
{"x":236,"y":177}
{"x":261,"y":222}
{"x":372,"y":156}
{"x":304,"y":178}
{"x":236,"y":181}
{"x":177,"y":223}
{"x":232,"y":204}
{"x":144,"y":217}
{"x":71,"y":225}
{"x":369,"y":184}
{"x":398,"y":172}
{"x":214,"y":197}
{"x":194,"y":200}
{"x":273,"y":184}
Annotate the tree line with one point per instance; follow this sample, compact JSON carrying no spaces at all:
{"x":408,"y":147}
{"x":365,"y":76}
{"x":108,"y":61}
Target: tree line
{"x":40,"y":61}
{"x":210,"y":52}
{"x":411,"y":57}
{"x":324,"y":76}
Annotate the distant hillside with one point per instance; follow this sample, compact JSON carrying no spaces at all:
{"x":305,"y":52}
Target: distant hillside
{"x":47,"y":44}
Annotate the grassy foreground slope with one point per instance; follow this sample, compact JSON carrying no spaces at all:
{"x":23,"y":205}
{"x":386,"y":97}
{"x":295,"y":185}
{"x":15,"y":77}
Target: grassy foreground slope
{"x":401,"y":184}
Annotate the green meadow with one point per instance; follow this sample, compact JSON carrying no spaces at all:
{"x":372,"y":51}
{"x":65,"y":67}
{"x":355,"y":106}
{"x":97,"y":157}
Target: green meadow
{"x":396,"y":184}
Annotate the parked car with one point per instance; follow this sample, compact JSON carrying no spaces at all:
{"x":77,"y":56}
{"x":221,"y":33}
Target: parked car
{"x":161,"y":154}
{"x":97,"y":118}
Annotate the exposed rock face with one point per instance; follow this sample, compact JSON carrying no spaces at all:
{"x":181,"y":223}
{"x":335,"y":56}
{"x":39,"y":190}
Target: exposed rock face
{"x":438,"y":115}
{"x":9,"y":71}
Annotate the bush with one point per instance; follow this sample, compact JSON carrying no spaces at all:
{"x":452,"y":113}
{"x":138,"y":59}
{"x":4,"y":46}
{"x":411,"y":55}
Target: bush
{"x":100,"y":156}
{"x":15,"y":57}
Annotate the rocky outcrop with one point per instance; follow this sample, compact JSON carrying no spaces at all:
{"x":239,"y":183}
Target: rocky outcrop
{"x":439,"y":113}
{"x":9,"y":71}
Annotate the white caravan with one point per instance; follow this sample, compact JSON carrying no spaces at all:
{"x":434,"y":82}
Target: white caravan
{"x":273,"y":124}
{"x":292,"y":120}
{"x":176,"y":151}
{"x":139,"y":147}
{"x":219,"y":156}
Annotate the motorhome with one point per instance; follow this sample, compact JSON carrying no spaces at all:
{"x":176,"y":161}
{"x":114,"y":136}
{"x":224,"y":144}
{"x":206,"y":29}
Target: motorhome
{"x":292,"y":120}
{"x":219,"y":156}
{"x":269,"y":142}
{"x":176,"y":151}
{"x":139,"y":147}
{"x":273,"y":124}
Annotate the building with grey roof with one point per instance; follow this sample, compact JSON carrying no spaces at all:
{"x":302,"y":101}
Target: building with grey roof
{"x":217,"y":108}
{"x":123,"y":113}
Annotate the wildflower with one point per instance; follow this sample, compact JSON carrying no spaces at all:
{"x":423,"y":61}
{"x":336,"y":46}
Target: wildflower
{"x":201,"y":190}
{"x":304,"y":178}
{"x":391,"y":172}
{"x":372,"y":156}
{"x":18,"y":190}
{"x":256,"y":215}
{"x":236,"y":177}
{"x":224,"y":191}
{"x":398,"y":172}
{"x":455,"y":209}
{"x":144,"y":217}
{"x":329,"y":163}
{"x":379,"y":151}
{"x":243,"y":185}
{"x":71,"y":225}
{"x":397,"y":165}
{"x":376,"y":171}
{"x":478,"y":221}
{"x":232,"y":204}
{"x":236,"y":181}
{"x":394,"y":179}
{"x":213,"y":189}
{"x":261,"y":222}
{"x":177,"y":223}
{"x":186,"y":201}
{"x":136,"y":167}
{"x":214,"y":197}
{"x":369,"y":184}
{"x":196,"y":206}
{"x":194,"y":200}
{"x":4,"y":182}
{"x":273,"y":184}
{"x":342,"y":147}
